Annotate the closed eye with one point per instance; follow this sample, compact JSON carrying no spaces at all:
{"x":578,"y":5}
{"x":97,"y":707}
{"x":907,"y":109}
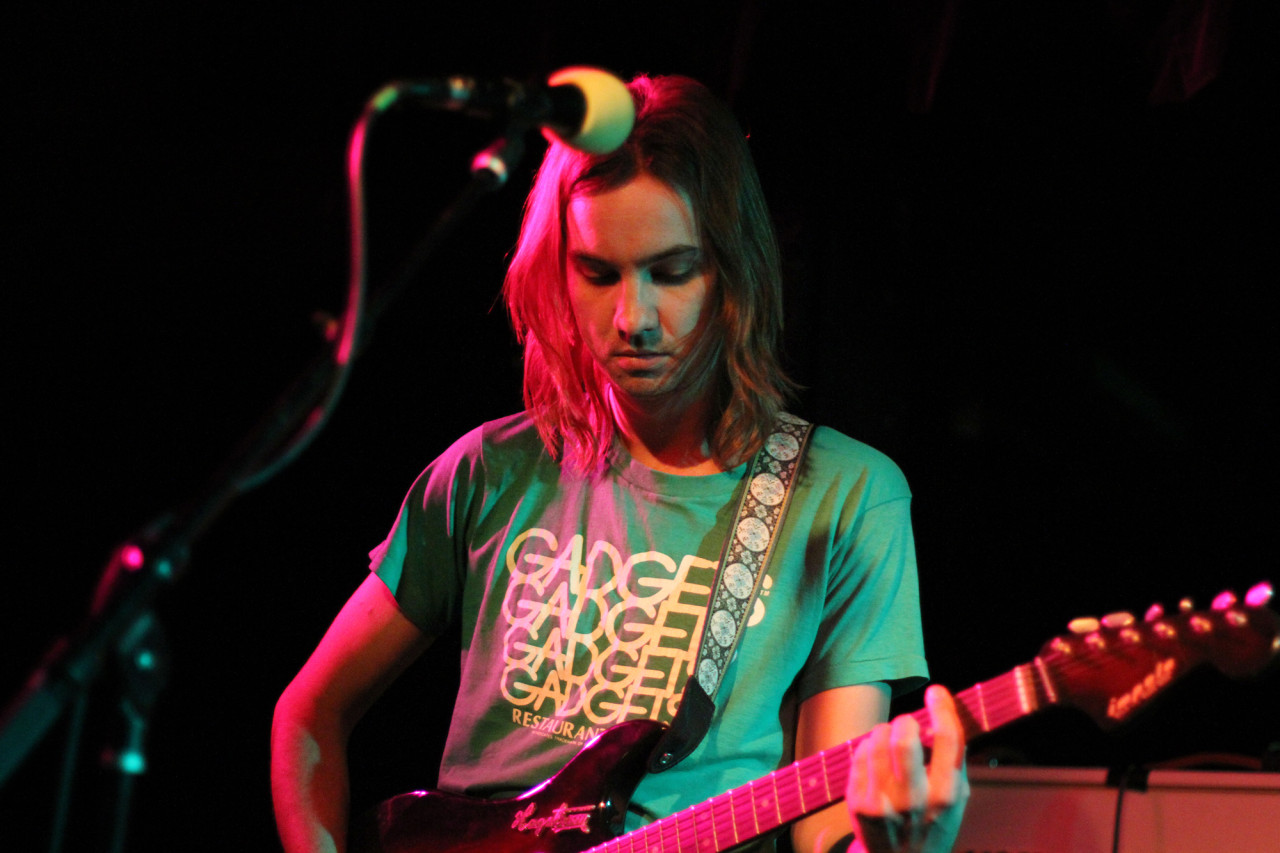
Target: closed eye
{"x":595,"y":272}
{"x":673,"y":276}
{"x":674,"y":266}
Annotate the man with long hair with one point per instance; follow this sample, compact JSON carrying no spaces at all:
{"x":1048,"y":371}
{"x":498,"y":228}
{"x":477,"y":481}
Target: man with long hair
{"x":575,"y":545}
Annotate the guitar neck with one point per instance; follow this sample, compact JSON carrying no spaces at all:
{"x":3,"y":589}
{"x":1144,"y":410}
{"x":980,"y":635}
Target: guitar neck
{"x":989,"y":705}
{"x":817,"y":781}
{"x":1109,"y":671}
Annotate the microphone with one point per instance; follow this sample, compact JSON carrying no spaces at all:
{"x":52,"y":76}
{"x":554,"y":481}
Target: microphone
{"x":584,"y":108}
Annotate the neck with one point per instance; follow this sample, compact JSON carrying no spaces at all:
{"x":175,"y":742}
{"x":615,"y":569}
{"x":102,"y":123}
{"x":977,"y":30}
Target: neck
{"x":669,"y":434}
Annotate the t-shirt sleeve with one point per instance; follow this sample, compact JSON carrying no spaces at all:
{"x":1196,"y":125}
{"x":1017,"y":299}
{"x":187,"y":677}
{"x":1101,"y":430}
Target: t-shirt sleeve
{"x":870,"y":627}
{"x":423,"y":560}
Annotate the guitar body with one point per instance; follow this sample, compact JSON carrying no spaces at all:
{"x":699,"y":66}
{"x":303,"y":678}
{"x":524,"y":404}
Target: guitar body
{"x":583,"y":805}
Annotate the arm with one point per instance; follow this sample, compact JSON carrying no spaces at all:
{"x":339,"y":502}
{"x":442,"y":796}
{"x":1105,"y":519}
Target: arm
{"x":826,"y":719}
{"x":898,"y":803}
{"x":368,"y":645}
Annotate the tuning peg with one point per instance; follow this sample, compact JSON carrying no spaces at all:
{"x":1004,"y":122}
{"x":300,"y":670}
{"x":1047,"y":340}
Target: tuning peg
{"x":1259,"y":595}
{"x":1225,"y":600}
{"x":1083,"y":625}
{"x":1120,"y":619}
{"x":1154,"y":612}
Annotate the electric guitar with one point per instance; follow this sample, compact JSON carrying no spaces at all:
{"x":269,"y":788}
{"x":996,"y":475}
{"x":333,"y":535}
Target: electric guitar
{"x":1110,"y":669}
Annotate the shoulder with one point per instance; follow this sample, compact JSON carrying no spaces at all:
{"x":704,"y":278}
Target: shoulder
{"x":492,"y":452}
{"x":839,"y":461}
{"x":503,"y":440}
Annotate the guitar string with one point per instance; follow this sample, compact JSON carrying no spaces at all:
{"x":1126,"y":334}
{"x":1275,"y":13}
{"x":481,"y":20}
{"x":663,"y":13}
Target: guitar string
{"x":998,"y":698}
{"x":988,"y":704}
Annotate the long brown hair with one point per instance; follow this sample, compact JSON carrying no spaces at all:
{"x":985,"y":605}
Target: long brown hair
{"x":686,"y":138}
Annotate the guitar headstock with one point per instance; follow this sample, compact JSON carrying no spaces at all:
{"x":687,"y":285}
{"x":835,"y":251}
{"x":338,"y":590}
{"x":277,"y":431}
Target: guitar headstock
{"x":1113,"y":666}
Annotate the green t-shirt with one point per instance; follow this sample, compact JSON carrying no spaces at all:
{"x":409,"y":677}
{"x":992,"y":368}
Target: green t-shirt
{"x":581,"y":602}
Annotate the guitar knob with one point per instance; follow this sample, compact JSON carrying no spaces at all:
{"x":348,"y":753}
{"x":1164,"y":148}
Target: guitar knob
{"x":1083,"y":625}
{"x":1119,"y":619}
{"x":1225,"y":600}
{"x":1259,"y":595}
{"x":1154,"y":612}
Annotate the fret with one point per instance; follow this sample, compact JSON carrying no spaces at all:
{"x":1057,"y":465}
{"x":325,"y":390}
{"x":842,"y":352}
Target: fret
{"x":760,"y":807}
{"x":790,"y":783}
{"x":1045,"y":681}
{"x":826,"y":777}
{"x":733,"y":817}
{"x":705,"y":833}
{"x":715,"y":826}
{"x":695,"y":829}
{"x":687,"y":827}
{"x":766,"y":802}
{"x":630,"y":840}
{"x":800,"y":785}
{"x":1027,"y":703}
{"x":982,"y":709}
{"x":817,"y":785}
{"x":751,"y":794}
{"x":705,"y":828}
{"x":748,"y":825}
{"x":785,"y":794}
{"x":773,"y":779}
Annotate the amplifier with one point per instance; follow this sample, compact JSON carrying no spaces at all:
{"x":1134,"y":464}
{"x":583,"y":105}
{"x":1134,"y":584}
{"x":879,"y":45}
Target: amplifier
{"x":1073,"y":810}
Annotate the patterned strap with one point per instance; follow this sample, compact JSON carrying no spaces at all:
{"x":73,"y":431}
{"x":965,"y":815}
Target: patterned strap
{"x":743,"y":565}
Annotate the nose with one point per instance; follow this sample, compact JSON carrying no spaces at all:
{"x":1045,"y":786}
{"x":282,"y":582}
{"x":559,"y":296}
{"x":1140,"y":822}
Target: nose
{"x":635,"y":313}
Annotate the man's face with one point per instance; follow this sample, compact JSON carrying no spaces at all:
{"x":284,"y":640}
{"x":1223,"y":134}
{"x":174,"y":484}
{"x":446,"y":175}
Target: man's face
{"x":639,"y":285}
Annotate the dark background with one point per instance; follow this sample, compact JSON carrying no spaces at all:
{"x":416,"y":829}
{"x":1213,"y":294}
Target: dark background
{"x":1030,"y":254}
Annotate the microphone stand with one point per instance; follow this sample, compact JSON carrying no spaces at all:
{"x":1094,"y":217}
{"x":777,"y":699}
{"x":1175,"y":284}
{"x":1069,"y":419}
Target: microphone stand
{"x":121,"y":618}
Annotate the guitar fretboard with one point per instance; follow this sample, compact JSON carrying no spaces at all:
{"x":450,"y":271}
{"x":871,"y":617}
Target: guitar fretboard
{"x":817,"y":781}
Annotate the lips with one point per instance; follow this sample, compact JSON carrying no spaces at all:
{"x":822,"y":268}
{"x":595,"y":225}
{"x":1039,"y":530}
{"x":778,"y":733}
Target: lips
{"x":637,"y":360}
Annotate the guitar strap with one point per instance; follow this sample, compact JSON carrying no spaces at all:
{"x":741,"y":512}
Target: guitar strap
{"x":743,"y":564}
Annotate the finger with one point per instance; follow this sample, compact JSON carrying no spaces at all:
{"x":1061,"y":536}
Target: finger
{"x":907,"y":752}
{"x":948,"y":735}
{"x":879,"y":772}
{"x":910,"y":785}
{"x":867,"y":772}
{"x":948,"y":782}
{"x":859,"y":773}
